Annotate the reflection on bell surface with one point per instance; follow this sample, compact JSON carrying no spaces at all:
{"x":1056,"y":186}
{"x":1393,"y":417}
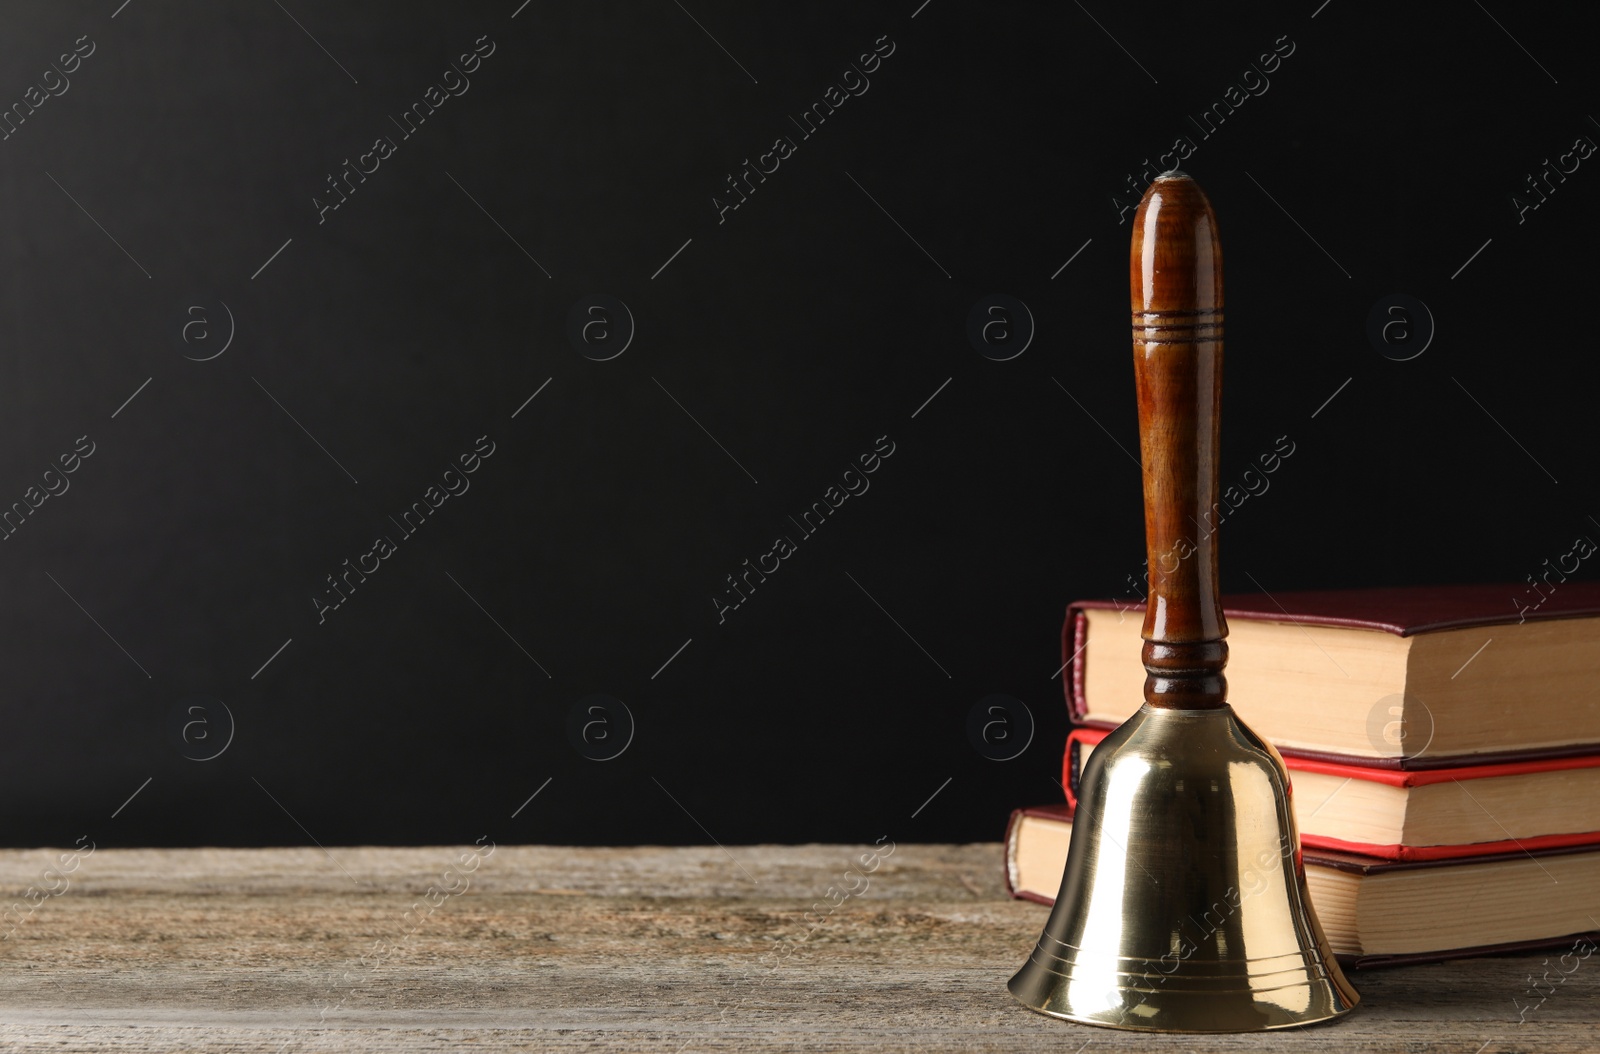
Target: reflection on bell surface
{"x":1183,"y":907}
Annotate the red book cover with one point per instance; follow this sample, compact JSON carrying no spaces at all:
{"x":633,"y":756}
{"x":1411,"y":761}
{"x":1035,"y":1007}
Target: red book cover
{"x":1393,"y":778}
{"x":1402,"y":611}
{"x":1341,"y":861}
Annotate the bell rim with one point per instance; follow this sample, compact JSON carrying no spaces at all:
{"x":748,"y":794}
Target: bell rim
{"x":1336,"y":1001}
{"x":1190,"y":1030}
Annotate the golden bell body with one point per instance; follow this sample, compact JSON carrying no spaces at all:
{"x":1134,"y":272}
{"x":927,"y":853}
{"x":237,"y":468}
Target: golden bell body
{"x":1183,"y":907}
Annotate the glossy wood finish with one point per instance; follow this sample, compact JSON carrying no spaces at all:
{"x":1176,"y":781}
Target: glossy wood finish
{"x":1175,"y":277}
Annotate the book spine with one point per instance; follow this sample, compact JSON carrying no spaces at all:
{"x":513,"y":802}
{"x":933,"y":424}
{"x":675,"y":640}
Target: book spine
{"x":1012,"y":826}
{"x":1074,"y":651}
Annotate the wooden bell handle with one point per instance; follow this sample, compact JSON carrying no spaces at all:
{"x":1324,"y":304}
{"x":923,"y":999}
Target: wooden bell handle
{"x":1175,"y":275}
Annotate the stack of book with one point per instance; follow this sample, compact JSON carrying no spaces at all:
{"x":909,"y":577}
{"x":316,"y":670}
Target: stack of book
{"x":1443,"y":748}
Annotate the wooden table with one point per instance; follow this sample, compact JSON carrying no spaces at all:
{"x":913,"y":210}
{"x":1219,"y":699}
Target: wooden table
{"x":614,"y":949}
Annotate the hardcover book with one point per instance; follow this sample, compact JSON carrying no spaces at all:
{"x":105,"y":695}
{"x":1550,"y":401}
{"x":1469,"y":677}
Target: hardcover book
{"x":1380,"y":912}
{"x":1432,"y":814}
{"x":1413,"y":678}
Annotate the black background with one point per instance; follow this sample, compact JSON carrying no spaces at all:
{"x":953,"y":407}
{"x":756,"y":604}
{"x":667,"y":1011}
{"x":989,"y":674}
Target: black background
{"x":797,"y":332}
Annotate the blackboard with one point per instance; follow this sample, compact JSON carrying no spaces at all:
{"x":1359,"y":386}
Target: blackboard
{"x":592,"y":422}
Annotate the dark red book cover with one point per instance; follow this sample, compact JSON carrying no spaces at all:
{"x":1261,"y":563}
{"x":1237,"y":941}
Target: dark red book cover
{"x":1403,"y":611}
{"x":1351,"y":862}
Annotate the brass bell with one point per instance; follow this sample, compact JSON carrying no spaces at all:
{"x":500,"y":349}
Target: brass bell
{"x":1183,"y":907}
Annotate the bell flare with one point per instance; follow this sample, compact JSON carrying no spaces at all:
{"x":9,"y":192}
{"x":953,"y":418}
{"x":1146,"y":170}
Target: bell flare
{"x":1183,"y":907}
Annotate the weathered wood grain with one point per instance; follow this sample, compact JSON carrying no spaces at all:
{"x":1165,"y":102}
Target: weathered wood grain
{"x":618,"y":949}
